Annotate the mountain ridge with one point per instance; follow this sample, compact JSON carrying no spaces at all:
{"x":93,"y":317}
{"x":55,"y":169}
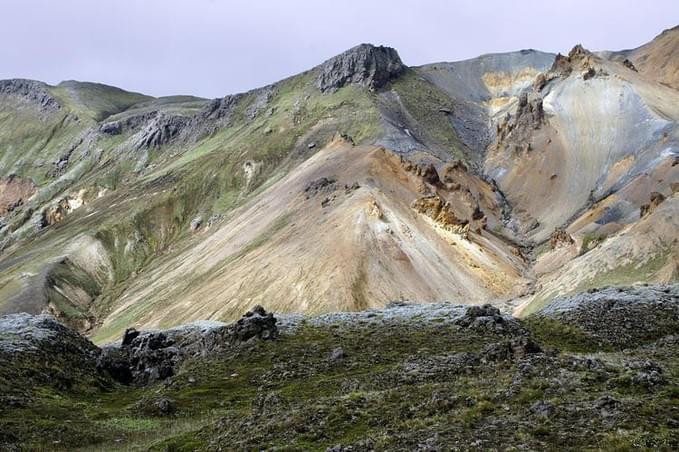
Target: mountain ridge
{"x":435,"y":160}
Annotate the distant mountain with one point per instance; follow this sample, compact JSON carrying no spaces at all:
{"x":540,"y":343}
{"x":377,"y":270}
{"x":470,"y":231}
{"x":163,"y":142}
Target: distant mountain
{"x":509,"y":178}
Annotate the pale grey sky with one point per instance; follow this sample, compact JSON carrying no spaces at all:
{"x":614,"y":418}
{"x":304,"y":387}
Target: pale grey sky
{"x":214,"y":47}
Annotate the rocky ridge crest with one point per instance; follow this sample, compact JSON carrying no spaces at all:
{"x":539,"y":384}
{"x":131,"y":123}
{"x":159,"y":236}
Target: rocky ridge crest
{"x":364,"y":65}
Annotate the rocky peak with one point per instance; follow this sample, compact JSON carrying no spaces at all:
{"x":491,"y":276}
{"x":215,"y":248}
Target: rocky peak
{"x":364,"y":65}
{"x":31,"y":90}
{"x":578,"y":58}
{"x":577,"y":52}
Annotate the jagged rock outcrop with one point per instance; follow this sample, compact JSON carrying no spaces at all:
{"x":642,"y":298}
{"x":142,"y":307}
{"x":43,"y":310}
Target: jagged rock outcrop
{"x":31,"y":90}
{"x":221,"y":108}
{"x":144,"y":357}
{"x":364,"y":65}
{"x":161,"y":130}
{"x":560,"y":238}
{"x":441,"y":212}
{"x":578,"y":58}
{"x":256,"y":323}
{"x":487,"y":318}
{"x":133,"y":122}
{"x":261,"y":98}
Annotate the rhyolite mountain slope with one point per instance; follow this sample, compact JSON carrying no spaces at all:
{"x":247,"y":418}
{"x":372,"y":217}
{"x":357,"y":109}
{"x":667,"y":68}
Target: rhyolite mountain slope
{"x":510,"y":178}
{"x":659,"y":59}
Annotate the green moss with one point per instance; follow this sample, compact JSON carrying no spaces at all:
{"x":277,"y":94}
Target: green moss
{"x":129,"y":424}
{"x":591,"y":240}
{"x":423,"y":101}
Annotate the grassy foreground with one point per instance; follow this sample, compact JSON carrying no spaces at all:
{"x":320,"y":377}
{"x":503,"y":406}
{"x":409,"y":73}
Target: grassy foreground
{"x":427,"y":385}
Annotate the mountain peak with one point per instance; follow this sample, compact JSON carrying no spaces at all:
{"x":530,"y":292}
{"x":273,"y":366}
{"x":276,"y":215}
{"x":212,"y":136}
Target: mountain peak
{"x":365,"y":65}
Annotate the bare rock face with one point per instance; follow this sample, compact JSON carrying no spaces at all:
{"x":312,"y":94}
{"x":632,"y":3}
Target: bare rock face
{"x":220,"y":108}
{"x":131,"y":123}
{"x":31,"y":90}
{"x":560,"y":238}
{"x":442,"y":213}
{"x":364,"y":65}
{"x":161,"y":130}
{"x":14,"y":192}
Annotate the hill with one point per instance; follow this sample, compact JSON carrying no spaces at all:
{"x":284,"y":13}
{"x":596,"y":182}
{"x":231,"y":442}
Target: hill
{"x":508,"y":179}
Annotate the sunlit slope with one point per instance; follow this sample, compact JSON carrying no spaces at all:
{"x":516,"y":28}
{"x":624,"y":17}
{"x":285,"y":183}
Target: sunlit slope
{"x":341,"y":232}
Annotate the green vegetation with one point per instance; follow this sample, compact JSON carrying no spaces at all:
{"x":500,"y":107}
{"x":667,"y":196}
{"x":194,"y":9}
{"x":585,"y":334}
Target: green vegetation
{"x":140,"y":202}
{"x":562,"y":336}
{"x":94,"y":100}
{"x":591,"y":240}
{"x":423,"y":101}
{"x":627,"y":274}
{"x":395,"y":387}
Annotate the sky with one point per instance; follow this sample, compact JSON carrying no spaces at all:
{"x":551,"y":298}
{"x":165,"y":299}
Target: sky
{"x":211,"y":48}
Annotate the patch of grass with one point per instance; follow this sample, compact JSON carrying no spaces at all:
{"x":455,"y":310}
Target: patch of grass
{"x":560,"y":335}
{"x":591,"y":240}
{"x":130,"y":424}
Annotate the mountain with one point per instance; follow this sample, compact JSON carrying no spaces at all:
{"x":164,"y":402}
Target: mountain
{"x":509,"y":179}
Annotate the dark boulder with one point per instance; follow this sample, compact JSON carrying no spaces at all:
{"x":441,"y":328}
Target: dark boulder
{"x":161,"y":406}
{"x":256,"y":323}
{"x":116,"y":363}
{"x":130,"y":335}
{"x":149,"y":356}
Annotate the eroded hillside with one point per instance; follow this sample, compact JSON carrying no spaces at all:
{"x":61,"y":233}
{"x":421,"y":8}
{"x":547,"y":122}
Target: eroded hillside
{"x":510,"y":179}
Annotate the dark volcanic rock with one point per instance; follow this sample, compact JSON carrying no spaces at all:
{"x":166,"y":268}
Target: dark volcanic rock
{"x":628,"y":64}
{"x":256,"y":323}
{"x":150,"y":356}
{"x":115,"y":361}
{"x":130,"y":335}
{"x":488,"y":318}
{"x":364,"y":65}
{"x":31,"y":90}
{"x":162,"y":406}
{"x":320,"y":185}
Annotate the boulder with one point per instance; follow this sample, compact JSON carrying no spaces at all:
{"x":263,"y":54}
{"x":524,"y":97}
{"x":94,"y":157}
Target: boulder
{"x":150,"y":406}
{"x":256,"y":323}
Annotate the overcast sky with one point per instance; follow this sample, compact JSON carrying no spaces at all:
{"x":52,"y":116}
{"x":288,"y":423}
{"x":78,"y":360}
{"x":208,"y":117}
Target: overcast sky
{"x":214,"y":47}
